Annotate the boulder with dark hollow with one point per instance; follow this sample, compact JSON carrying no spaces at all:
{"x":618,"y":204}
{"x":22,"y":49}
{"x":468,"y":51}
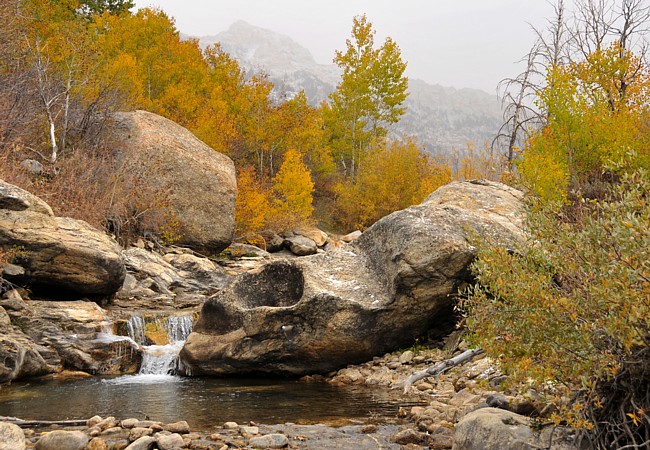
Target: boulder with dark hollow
{"x":321,"y":312}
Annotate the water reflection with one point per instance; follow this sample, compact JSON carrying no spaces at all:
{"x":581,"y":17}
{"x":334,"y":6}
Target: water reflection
{"x":205,"y":403}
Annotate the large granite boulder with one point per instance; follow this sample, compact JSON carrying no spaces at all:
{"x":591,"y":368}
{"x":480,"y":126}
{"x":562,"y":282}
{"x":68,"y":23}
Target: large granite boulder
{"x":57,"y":251}
{"x":321,"y":312}
{"x":201,"y":181}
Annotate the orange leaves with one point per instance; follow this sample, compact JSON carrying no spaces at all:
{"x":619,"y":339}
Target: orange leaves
{"x":282,"y":206}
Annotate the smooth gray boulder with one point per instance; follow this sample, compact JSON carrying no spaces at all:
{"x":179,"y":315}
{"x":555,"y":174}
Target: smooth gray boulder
{"x":394,"y":283}
{"x":15,"y":199}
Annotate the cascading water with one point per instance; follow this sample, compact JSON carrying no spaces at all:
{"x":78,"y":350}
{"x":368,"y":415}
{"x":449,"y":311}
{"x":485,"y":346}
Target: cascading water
{"x":161,"y":359}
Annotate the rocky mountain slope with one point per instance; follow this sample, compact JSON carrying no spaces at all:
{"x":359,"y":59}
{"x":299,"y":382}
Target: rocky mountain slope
{"x":440,"y":117}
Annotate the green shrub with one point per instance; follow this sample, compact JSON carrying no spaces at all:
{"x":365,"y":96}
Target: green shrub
{"x":570,"y":310}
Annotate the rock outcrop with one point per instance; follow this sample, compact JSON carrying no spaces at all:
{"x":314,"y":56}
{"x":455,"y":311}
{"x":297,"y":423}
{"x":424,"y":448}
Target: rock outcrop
{"x":57,"y":252}
{"x":321,"y":312}
{"x":201,"y":182}
{"x":40,"y":337}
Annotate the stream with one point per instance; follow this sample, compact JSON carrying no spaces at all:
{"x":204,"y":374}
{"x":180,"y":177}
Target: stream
{"x":205,"y":403}
{"x":157,"y":393}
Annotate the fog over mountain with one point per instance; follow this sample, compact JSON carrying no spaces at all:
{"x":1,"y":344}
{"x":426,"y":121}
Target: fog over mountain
{"x":440,"y":117}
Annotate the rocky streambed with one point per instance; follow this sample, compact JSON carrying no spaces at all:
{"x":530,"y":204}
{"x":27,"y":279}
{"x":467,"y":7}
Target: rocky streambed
{"x":460,"y":409}
{"x":269,"y":315}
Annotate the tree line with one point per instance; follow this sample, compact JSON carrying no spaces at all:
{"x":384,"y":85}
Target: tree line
{"x":68,"y":64}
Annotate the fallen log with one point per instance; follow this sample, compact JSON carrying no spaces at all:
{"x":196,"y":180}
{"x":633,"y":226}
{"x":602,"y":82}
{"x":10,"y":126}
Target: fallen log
{"x":439,"y":368}
{"x":42,"y":423}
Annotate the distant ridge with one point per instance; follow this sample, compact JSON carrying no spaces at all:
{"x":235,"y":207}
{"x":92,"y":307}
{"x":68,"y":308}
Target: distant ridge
{"x":440,"y":117}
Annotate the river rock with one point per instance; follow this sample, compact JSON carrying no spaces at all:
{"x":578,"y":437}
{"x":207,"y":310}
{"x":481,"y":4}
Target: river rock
{"x":395,"y":282}
{"x":315,"y":234}
{"x":172,"y":441}
{"x":301,"y":245}
{"x":269,"y":441}
{"x":201,"y":181}
{"x":20,"y":357}
{"x":11,"y":437}
{"x":181,"y":427}
{"x":58,"y":251}
{"x":351,"y":236}
{"x":143,"y":443}
{"x":62,"y":440}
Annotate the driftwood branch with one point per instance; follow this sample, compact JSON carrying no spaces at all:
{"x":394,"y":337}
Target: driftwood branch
{"x":439,"y":368}
{"x":42,"y":423}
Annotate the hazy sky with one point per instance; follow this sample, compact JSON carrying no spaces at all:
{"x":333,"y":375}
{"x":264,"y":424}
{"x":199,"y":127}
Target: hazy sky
{"x":460,"y":43}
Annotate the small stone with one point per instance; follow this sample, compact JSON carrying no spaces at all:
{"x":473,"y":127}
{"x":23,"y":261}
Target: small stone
{"x":249,"y":430}
{"x":12,"y":270}
{"x":417,"y":411}
{"x":181,"y":427}
{"x":406,"y":357}
{"x":12,"y":437}
{"x":269,"y":441}
{"x":94,"y":431}
{"x":369,"y":428}
{"x":143,"y":443}
{"x":148,"y":424}
{"x":97,"y":444}
{"x":351,"y":236}
{"x":231,"y":425}
{"x":497,"y":401}
{"x":112,"y":430}
{"x":424,"y":387}
{"x":216,"y":437}
{"x":169,"y":441}
{"x":94,"y":420}
{"x":62,"y":440}
{"x":394,"y":365}
{"x":137,"y":432}
{"x":405,"y":437}
{"x":129,"y":423}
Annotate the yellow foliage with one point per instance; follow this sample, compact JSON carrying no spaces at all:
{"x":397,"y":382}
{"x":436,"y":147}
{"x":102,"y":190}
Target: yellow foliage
{"x":253,"y":205}
{"x":391,"y":177}
{"x":597,"y":117}
{"x":294,"y":190}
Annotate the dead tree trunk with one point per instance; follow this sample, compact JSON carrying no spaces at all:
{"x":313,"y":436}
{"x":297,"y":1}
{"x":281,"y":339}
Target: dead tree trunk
{"x":439,"y":368}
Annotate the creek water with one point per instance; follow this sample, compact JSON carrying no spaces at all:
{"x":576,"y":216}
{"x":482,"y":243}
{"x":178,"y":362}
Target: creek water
{"x":204,"y":402}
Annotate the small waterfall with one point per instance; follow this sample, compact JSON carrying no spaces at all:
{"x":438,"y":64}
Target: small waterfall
{"x":169,"y":333}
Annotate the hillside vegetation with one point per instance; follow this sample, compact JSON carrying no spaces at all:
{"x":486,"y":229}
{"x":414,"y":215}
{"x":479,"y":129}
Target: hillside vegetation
{"x":66,"y":66}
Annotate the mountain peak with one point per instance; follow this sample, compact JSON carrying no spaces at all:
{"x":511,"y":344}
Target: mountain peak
{"x":263,"y":48}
